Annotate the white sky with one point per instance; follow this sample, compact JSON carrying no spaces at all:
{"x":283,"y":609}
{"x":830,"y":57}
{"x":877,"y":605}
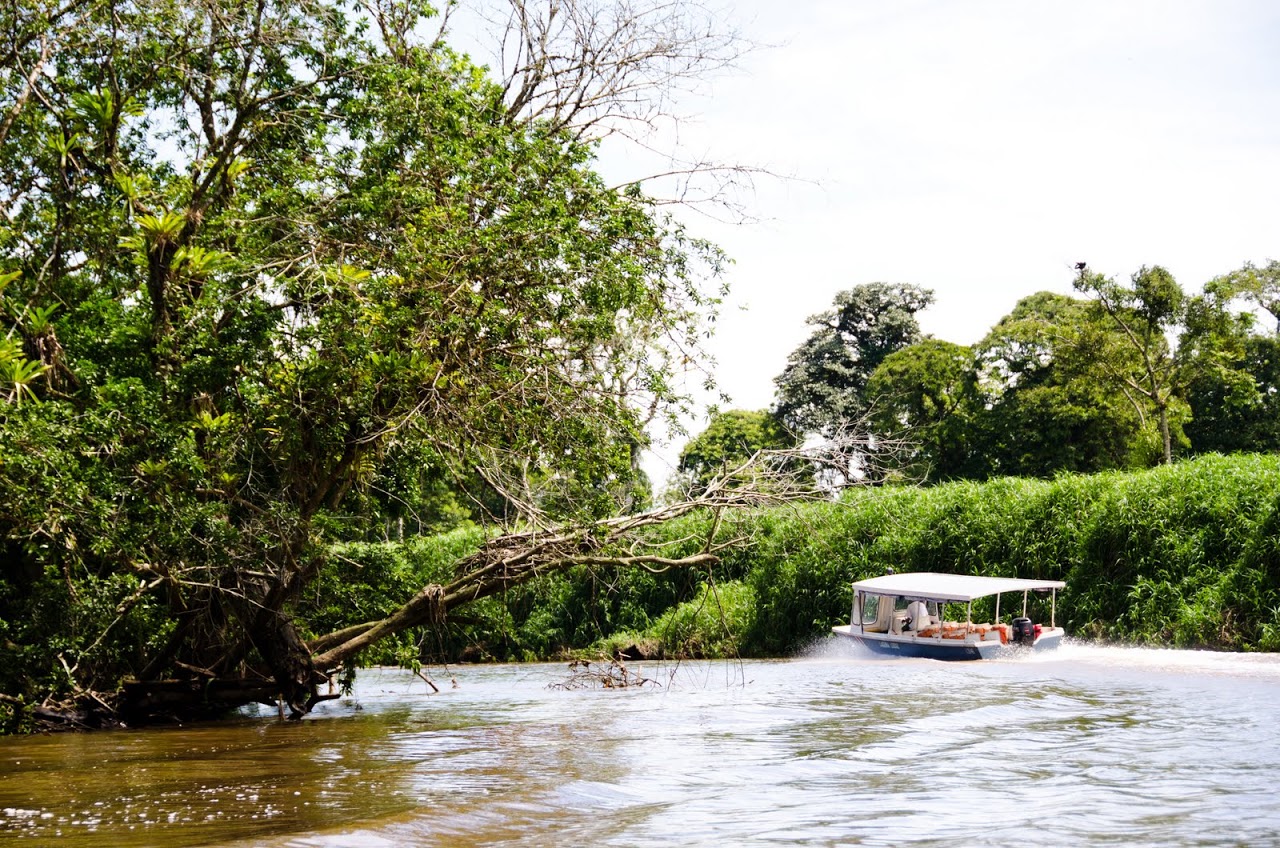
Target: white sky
{"x":980,"y":149}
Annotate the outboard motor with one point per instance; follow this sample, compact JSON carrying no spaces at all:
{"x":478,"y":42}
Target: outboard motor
{"x":1024,"y":632}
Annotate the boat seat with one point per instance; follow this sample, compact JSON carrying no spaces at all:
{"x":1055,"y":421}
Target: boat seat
{"x":990,"y":632}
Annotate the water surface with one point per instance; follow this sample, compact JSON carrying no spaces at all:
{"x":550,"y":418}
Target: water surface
{"x":1085,"y":746}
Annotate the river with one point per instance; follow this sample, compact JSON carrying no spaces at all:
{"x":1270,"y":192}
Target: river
{"x":1084,"y":746}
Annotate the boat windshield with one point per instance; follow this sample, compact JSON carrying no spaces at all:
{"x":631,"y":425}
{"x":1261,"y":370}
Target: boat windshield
{"x":870,"y":610}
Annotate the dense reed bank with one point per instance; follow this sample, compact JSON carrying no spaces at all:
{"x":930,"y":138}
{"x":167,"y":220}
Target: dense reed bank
{"x":1186,"y":555}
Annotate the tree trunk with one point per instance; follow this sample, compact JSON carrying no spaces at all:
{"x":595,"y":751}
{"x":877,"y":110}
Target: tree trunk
{"x":289,"y":659}
{"x":1165,"y":435}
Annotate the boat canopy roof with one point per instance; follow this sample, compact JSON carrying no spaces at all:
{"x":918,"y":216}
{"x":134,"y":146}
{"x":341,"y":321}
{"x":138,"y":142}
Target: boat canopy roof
{"x":949,"y":587}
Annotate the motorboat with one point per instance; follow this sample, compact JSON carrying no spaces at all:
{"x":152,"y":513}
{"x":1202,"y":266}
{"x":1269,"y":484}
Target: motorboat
{"x":906,"y":615}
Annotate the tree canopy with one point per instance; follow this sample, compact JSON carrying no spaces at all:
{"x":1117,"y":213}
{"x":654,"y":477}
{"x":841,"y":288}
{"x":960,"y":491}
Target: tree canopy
{"x":1127,"y":376}
{"x":730,"y":439}
{"x":924,"y":390}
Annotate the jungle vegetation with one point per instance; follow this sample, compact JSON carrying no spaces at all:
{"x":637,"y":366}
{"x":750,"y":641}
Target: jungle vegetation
{"x":1183,"y":555}
{"x":1125,"y":376}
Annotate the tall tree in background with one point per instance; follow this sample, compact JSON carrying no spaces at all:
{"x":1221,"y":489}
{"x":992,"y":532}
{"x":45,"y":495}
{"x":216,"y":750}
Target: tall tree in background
{"x":1044,"y":404}
{"x":1260,"y":286}
{"x":1170,"y":337}
{"x":251,"y":254}
{"x":1235,"y":399}
{"x":1149,"y":313}
{"x":823,"y":386}
{"x":1238,"y":410}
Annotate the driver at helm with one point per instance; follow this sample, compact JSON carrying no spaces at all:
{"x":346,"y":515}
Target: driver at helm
{"x":917,"y":616}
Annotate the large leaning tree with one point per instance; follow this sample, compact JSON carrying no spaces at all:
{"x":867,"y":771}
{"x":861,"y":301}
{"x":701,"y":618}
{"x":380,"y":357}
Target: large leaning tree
{"x":250,"y":251}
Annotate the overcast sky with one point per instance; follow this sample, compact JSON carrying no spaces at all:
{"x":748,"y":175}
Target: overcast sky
{"x":980,"y":149}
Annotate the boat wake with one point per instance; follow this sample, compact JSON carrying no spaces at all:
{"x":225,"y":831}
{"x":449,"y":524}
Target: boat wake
{"x":1083,"y":653}
{"x":1164,"y":659}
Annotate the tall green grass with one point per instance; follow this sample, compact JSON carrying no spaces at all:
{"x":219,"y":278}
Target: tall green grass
{"x":1186,"y":555}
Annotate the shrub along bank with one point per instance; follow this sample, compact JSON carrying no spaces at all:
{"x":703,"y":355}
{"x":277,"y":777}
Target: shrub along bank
{"x":1186,"y":555}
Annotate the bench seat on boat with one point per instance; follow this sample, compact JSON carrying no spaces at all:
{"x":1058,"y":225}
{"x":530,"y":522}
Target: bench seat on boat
{"x":959,"y":630}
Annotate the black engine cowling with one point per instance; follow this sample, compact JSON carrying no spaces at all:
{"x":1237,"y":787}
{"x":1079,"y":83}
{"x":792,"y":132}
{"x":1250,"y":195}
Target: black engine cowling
{"x":1024,"y":632}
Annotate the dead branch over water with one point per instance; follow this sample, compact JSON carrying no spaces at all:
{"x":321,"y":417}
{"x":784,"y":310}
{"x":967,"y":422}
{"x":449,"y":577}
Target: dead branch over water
{"x":769,"y":478}
{"x":583,"y":674}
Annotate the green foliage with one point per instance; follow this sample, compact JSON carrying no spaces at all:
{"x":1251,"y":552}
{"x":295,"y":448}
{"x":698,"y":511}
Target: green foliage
{"x":1186,"y":555}
{"x":579,"y":607}
{"x":368,"y":581}
{"x":1238,"y":409}
{"x":1123,"y":380}
{"x":925,"y":392}
{"x":352,"y":294}
{"x":1259,"y":285}
{"x":711,"y":626}
{"x":730,"y":439}
{"x":1044,"y":399}
{"x":1182,"y":555}
{"x":1149,"y":365}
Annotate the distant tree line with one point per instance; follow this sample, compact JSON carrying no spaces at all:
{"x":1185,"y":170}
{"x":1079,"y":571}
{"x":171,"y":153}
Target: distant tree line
{"x":1126,"y":375}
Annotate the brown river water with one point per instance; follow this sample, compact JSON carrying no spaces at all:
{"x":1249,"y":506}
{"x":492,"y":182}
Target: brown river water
{"x":1084,"y":746}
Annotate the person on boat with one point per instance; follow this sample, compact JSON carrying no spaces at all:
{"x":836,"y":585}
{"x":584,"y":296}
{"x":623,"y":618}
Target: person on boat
{"x":917,"y":616}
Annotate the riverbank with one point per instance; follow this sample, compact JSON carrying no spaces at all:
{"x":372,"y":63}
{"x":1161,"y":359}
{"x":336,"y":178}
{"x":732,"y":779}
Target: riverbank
{"x":1186,"y":556}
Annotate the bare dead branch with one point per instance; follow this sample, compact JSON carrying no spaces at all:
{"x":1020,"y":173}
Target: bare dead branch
{"x":626,"y":68}
{"x":595,"y":67}
{"x":768,"y":478}
{"x":583,"y":674}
